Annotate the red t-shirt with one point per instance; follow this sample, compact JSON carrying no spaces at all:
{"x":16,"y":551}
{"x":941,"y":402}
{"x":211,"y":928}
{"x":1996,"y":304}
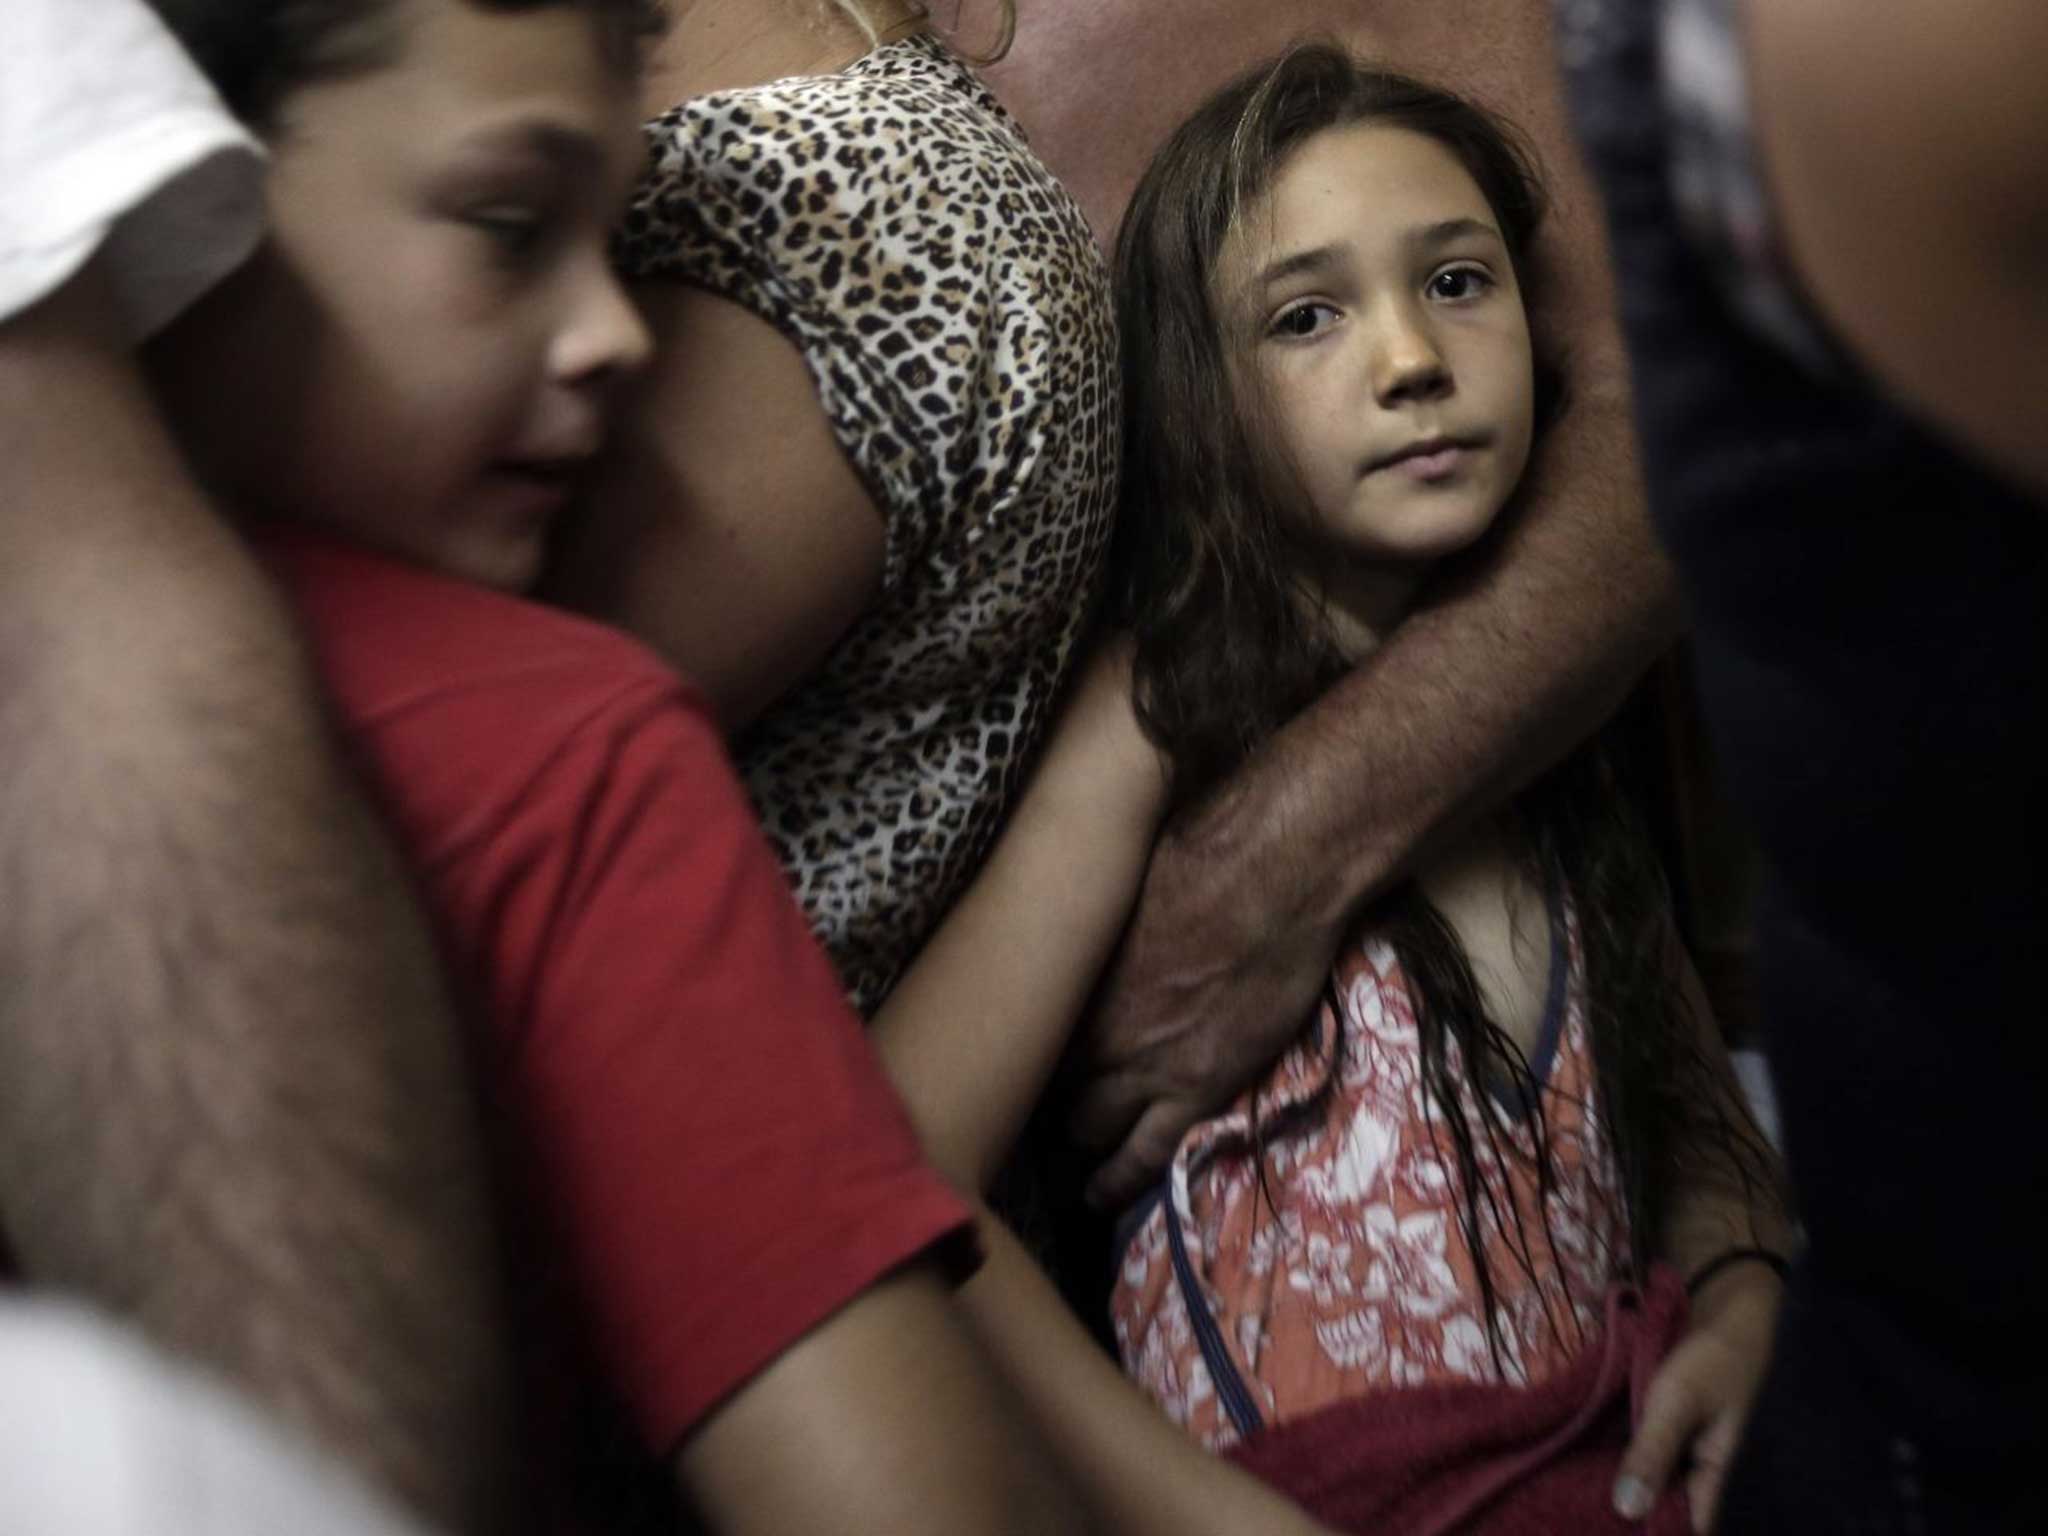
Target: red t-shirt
{"x":707,"y":1151}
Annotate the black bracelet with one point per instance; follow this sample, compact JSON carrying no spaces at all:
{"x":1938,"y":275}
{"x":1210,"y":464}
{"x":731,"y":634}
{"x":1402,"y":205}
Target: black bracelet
{"x":1779,"y":1265}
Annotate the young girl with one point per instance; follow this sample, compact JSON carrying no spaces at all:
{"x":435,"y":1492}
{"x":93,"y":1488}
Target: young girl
{"x":1512,"y":1100}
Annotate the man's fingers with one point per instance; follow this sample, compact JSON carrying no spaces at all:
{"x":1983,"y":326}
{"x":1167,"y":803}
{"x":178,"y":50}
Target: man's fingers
{"x":1142,"y":1158}
{"x":1103,"y":1112}
{"x":1671,"y":1412}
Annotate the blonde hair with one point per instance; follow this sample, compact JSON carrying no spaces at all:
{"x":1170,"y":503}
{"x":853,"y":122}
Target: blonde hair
{"x":856,"y":11}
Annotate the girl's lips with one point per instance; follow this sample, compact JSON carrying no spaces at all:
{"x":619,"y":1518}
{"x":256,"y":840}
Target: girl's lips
{"x":1433,"y":465}
{"x":1429,"y":458}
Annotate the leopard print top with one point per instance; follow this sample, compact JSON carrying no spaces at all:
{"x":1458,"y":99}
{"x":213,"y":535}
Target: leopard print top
{"x":954,"y":312}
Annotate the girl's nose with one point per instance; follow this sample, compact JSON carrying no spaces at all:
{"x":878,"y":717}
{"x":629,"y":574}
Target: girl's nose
{"x":1408,"y":365}
{"x":605,"y":335}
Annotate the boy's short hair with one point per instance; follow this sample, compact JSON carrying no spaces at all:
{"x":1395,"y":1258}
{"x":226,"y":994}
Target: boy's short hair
{"x":257,"y":52}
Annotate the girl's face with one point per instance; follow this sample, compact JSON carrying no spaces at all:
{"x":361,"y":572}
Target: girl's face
{"x":423,"y":355}
{"x":1372,"y":292}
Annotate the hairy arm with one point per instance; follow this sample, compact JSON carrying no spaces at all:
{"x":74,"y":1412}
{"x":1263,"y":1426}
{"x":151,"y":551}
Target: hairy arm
{"x":231,"y":1101}
{"x":1513,"y":657}
{"x":1931,"y":119}
{"x":727,"y":531}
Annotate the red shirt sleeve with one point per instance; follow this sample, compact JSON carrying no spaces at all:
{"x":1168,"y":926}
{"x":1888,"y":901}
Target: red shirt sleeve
{"x":702,"y":1129}
{"x":708,"y":1123}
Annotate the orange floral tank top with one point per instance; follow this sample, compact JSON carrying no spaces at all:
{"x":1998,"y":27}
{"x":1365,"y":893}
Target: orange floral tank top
{"x":1262,"y":1283}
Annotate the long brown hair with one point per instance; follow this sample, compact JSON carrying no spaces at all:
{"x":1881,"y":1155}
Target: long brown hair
{"x":1200,"y":568}
{"x":1202,"y":576}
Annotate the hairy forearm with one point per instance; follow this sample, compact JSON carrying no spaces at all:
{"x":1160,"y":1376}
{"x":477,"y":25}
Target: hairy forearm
{"x":1510,"y":661}
{"x":231,"y":1102}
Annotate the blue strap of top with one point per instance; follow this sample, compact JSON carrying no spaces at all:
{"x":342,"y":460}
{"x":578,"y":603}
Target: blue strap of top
{"x":1231,"y":1391}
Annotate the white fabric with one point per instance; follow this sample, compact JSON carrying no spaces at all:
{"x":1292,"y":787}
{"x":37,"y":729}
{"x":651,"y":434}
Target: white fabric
{"x":109,"y":135}
{"x":1754,"y":1074}
{"x":101,"y":1436}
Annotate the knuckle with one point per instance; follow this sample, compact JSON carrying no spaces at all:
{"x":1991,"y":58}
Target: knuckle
{"x":1155,"y":1150}
{"x":1122,"y":1180}
{"x":1099,"y":1132}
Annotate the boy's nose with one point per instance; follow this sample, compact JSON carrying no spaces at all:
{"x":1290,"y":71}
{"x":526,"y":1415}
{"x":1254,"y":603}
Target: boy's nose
{"x":605,"y":336}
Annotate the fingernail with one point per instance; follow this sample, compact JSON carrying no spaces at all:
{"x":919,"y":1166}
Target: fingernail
{"x":1632,"y":1498}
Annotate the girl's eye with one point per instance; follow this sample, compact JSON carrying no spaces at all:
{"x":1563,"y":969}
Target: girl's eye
{"x":1304,"y":319}
{"x":1453,"y":284}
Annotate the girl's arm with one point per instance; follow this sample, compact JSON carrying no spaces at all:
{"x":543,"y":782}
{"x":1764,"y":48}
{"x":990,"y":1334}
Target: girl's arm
{"x":972,"y":1032}
{"x":970,"y":1036}
{"x":1711,"y":1212}
{"x":1699,"y":1400}
{"x":1141,"y":1475}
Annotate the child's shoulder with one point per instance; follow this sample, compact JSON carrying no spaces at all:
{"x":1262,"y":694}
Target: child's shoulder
{"x":390,"y":637}
{"x":476,"y":712}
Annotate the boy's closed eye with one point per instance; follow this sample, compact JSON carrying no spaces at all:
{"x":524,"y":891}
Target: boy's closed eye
{"x":525,"y":185}
{"x":516,"y":231}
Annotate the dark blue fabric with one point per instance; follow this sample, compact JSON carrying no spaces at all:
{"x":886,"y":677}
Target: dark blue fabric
{"x":1550,"y":1031}
{"x":1870,"y":625}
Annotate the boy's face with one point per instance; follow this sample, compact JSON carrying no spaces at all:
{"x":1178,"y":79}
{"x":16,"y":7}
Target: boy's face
{"x":422,"y":357}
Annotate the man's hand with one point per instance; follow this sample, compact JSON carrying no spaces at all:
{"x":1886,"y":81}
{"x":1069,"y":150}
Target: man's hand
{"x":1224,"y":960}
{"x":1700,"y":1397}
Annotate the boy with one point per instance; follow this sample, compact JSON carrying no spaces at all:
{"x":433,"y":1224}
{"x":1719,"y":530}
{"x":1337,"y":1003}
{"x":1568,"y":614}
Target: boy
{"x":717,"y":1204}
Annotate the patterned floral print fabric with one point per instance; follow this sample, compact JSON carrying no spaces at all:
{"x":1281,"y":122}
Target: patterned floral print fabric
{"x":1329,"y":1262}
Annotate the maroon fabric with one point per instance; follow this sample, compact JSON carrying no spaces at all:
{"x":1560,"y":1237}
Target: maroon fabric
{"x":1488,"y":1461}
